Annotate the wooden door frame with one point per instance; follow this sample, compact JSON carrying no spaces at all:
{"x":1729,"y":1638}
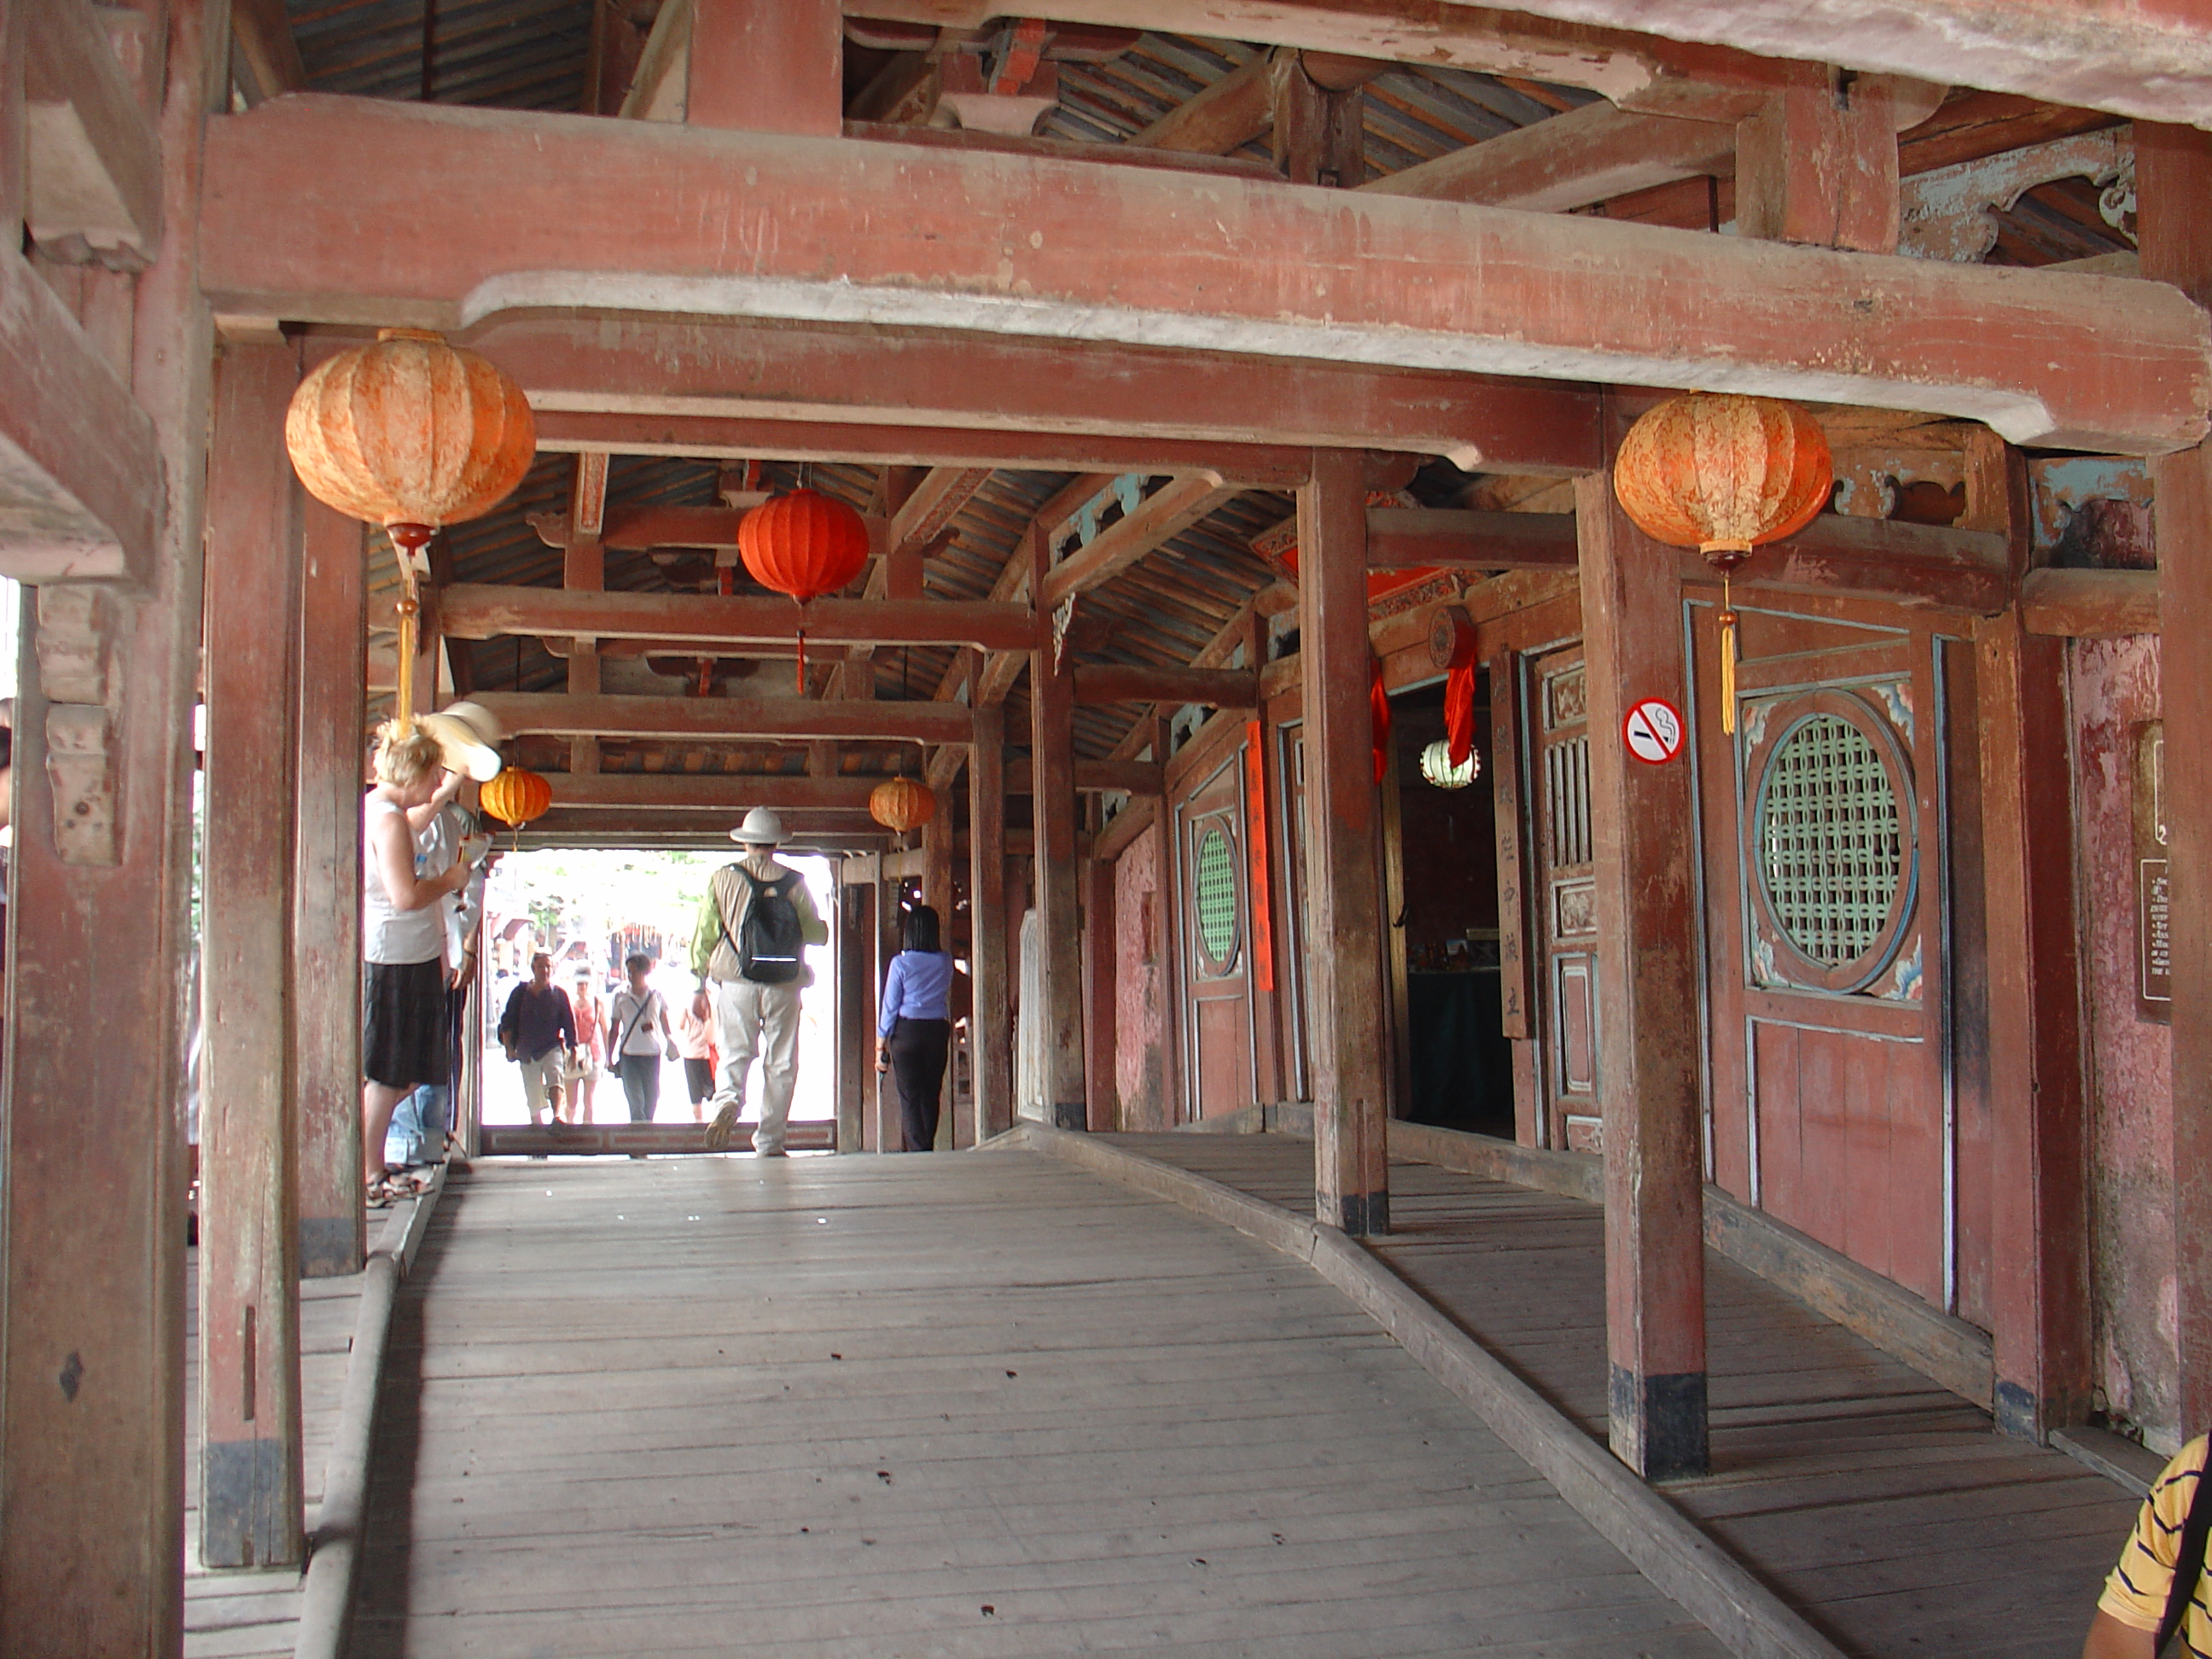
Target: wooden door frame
{"x":1230,"y":757}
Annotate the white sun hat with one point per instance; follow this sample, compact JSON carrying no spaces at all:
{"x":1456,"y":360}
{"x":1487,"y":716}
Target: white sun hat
{"x":761,"y":828}
{"x":468,"y":736}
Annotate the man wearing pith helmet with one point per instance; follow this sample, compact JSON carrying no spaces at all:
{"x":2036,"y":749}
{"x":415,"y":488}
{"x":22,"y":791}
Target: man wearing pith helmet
{"x":750,"y":946}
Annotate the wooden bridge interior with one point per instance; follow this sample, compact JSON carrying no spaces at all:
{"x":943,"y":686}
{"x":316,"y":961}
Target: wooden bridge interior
{"x":1761,"y":1268}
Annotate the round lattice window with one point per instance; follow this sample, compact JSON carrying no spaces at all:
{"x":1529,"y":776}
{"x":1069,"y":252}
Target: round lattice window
{"x":1834,"y":848}
{"x":1214,"y":891}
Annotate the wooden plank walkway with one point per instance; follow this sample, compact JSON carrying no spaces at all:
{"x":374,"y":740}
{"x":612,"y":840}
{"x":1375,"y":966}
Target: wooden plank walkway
{"x":960,"y":1404}
{"x":256,"y":1614}
{"x":1883,"y":1508}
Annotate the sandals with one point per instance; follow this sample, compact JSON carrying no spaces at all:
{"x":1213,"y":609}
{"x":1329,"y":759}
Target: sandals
{"x":393,"y":1185}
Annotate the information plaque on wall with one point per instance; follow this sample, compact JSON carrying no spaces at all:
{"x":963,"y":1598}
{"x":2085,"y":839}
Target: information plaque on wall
{"x":2154,"y":883}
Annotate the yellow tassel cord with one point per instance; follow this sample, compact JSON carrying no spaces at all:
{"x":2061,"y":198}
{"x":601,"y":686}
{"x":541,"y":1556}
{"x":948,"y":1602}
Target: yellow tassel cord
{"x":1728,"y":620}
{"x":410,"y":607}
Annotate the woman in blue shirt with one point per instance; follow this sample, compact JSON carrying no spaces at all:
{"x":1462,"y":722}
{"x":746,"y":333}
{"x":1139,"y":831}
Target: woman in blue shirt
{"x":914,"y":1032}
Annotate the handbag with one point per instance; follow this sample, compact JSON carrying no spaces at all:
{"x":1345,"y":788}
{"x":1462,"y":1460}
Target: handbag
{"x":616,"y":1058}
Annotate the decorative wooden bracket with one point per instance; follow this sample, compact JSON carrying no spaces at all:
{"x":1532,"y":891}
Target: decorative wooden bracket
{"x":76,"y":625}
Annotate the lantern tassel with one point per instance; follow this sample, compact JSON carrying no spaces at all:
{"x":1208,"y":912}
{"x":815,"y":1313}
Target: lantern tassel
{"x":409,"y":608}
{"x":1727,"y":621}
{"x":802,"y":662}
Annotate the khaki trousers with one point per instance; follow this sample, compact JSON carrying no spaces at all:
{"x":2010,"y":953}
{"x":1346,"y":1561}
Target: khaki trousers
{"x":762,"y":1019}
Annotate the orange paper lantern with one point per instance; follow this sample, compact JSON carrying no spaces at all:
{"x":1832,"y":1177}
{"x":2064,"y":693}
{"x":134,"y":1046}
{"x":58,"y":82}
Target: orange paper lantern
{"x":413,"y":435}
{"x":1724,"y":473}
{"x":902,"y":804}
{"x":804,"y":544}
{"x":516,"y":796}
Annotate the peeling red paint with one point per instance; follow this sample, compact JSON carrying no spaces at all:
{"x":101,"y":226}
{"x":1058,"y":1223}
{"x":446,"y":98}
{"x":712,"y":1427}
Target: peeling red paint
{"x":1141,"y":1061}
{"x":2114,"y":687}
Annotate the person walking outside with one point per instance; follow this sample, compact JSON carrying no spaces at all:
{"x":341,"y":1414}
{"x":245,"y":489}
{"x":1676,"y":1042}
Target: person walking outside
{"x":538,"y":1030}
{"x":591,"y":1045}
{"x":631,"y":1045}
{"x":914,"y":1032}
{"x":695,"y":1042}
{"x":754,"y":929}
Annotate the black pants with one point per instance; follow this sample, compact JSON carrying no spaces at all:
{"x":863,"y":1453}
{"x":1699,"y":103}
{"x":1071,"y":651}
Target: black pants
{"x":919,"y":1048}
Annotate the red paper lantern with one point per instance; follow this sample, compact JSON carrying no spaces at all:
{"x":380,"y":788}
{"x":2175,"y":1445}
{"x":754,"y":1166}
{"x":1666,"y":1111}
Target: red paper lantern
{"x":1724,"y":473}
{"x":804,"y":544}
{"x":902,"y":804}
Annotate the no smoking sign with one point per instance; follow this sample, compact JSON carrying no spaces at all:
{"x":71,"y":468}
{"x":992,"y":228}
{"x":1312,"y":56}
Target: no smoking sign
{"x":1652,"y":730}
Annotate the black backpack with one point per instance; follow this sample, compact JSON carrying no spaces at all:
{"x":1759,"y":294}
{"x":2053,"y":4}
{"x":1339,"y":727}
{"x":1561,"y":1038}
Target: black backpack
{"x":771,"y":943}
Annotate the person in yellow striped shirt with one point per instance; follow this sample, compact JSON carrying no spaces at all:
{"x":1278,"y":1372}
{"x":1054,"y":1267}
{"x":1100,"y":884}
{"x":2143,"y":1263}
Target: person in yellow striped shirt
{"x":2128,"y":1612}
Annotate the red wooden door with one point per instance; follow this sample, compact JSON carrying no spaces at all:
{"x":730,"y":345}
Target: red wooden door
{"x":1565,"y":923}
{"x":1213,"y":906}
{"x":1291,"y":738}
{"x":1827,"y":864}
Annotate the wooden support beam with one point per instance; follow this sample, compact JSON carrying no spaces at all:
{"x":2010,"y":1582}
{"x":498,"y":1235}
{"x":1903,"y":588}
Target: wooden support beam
{"x":93,"y":182}
{"x":1345,"y":1022}
{"x":584,"y":570}
{"x":928,"y":512}
{"x":81,"y":491}
{"x":1224,"y":116}
{"x":766,"y":66}
{"x":839,"y":831}
{"x":471,"y":611}
{"x":2083,"y":605}
{"x":1156,"y":520}
{"x":1134,"y":777}
{"x":976,"y":401}
{"x":1586,"y":155}
{"x":1418,"y":538}
{"x":520,"y":208}
{"x":711,"y":792}
{"x":2174,"y":193}
{"x":881,"y":1130}
{"x":856,"y":1003}
{"x":633,"y":529}
{"x":1059,"y":922}
{"x":1119,"y":156}
{"x":937,"y":866}
{"x":1319,"y":135}
{"x":992,"y":1023}
{"x":92,"y":1403}
{"x":713,"y":436}
{"x":250,"y":1509}
{"x":1115,"y":682}
{"x":267,"y":48}
{"x":326,"y":1003}
{"x":1648,"y":1053}
{"x":2039,"y":1290}
{"x":727,"y":719}
{"x":1818,"y":165}
{"x":1102,"y":1091}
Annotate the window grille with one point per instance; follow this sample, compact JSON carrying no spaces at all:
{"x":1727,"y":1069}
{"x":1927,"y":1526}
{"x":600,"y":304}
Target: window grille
{"x":1831,"y":847}
{"x":1215,"y":893}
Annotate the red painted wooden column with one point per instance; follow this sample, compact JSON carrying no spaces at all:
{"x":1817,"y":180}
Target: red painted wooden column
{"x":249,"y":1318}
{"x":937,"y":864}
{"x":2173,"y":191}
{"x":1344,"y":885}
{"x":326,"y":904}
{"x":1053,"y":803}
{"x":768,"y":66}
{"x":1648,"y":1061}
{"x":992,"y":1021}
{"x":1102,"y":1091}
{"x":856,"y":1006}
{"x":92,"y":1412}
{"x":2039,"y":1284}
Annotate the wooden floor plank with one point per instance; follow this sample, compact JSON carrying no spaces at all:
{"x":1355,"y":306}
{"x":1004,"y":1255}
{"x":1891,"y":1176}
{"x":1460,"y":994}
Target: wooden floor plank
{"x":1882,"y":1507}
{"x":601,"y":1435}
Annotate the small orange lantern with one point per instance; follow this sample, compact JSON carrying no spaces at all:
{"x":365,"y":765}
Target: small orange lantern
{"x":804,"y":544}
{"x":1724,"y":473}
{"x":413,"y":435}
{"x":902,"y":804}
{"x":516,"y":796}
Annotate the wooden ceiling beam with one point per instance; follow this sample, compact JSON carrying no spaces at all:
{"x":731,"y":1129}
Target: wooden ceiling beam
{"x":509,"y":210}
{"x":267,"y":47}
{"x":80,"y":494}
{"x":93,"y":178}
{"x":711,"y":792}
{"x":2153,"y":61}
{"x":1258,"y":466}
{"x":1421,"y":539}
{"x":727,"y":719}
{"x":1011,"y":402}
{"x":1216,"y":165}
{"x":1156,"y":520}
{"x":475,"y":611}
{"x":1586,"y":155}
{"x":1115,"y":682}
{"x":2090,"y":603}
{"x":928,"y":512}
